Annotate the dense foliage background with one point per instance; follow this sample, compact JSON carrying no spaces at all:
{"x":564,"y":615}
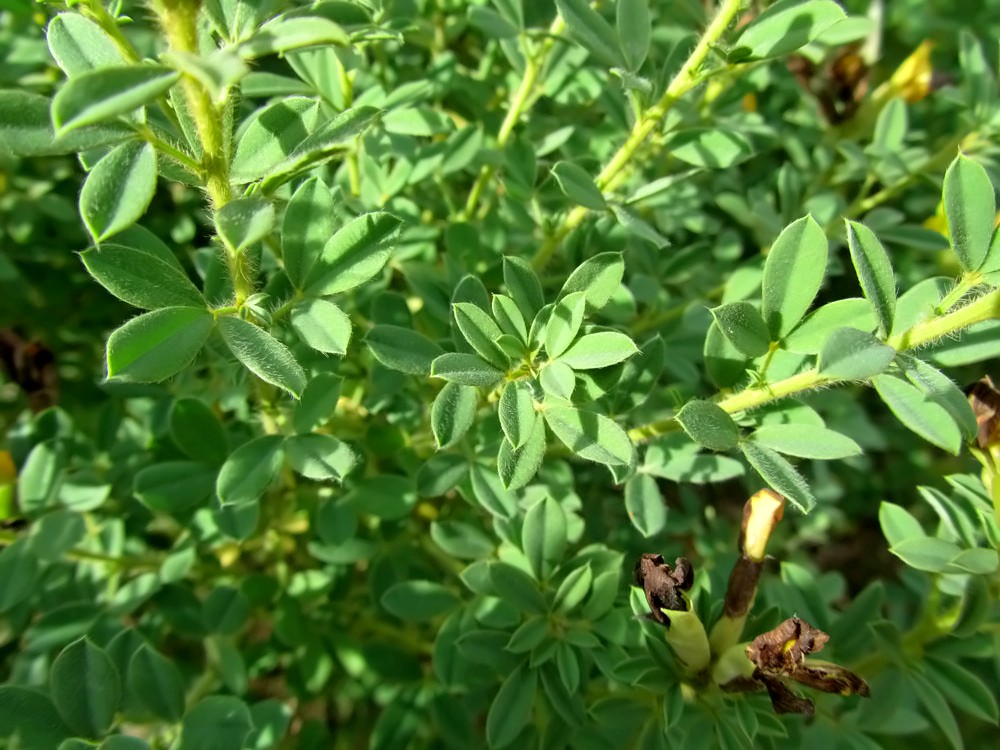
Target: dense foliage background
{"x":354,"y":352}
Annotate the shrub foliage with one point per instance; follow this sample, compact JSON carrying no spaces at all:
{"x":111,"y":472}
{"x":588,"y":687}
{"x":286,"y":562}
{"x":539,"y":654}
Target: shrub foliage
{"x":425,"y":322}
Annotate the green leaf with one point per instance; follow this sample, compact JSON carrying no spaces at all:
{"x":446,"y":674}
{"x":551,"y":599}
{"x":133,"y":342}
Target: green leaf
{"x":104,"y":93}
{"x":510,"y":711}
{"x":196,"y":430}
{"x":354,"y":254}
{"x":597,"y":350}
{"x":226,"y":610}
{"x":708,"y":425}
{"x":453,"y":413}
{"x":417,"y":121}
{"x":963,"y":689}
{"x":26,"y":129}
{"x":940,"y":389}
{"x":250,"y":470}
{"x":319,"y":456}
{"x":55,"y":533}
{"x":850,"y":354}
{"x":531,"y":634}
{"x":578,"y":186}
{"x":970,"y":205}
{"x":871,"y":263}
{"x":30,"y":716}
{"x":742,"y":324}
{"x":491,"y":23}
{"x":595,"y":34}
{"x":543,"y":536}
{"x":86,"y":688}
{"x":516,"y":588}
{"x":710,"y":148}
{"x":244,"y":221}
{"x":573,"y":589}
{"x":591,"y":436}
{"x":779,"y":474}
{"x":77,"y":44}
{"x":418,"y":600}
{"x":118,"y":190}
{"x":558,"y":380}
{"x":518,"y":466}
{"x":564,"y":323}
{"x":491,"y":494}
{"x":598,"y":278}
{"x":322,"y":325}
{"x":805,"y":441}
{"x":977,"y":561}
{"x":19,"y":573}
{"x":524,"y":287}
{"x":174,"y":486}
{"x":329,"y":140}
{"x":926,"y":553}
{"x":724,"y":363}
{"x":793,"y":273}
{"x":517,"y":412}
{"x":935,"y":706}
{"x":403,"y":349}
{"x":218,"y":722}
{"x":156,"y":684}
{"x":809,"y":336}
{"x":157,"y":345}
{"x":462,"y":540}
{"x":509,"y":317}
{"x":481,"y":331}
{"x":784,"y":27}
{"x":318,"y":402}
{"x":387,"y":496}
{"x":40,"y":477}
{"x":269,"y":136}
{"x":262,"y":354}
{"x":141,"y":277}
{"x":287,"y":34}
{"x":634,"y":28}
{"x":309,"y":222}
{"x":645,"y":505}
{"x":465,"y":369}
{"x":898,"y":524}
{"x":918,"y":413}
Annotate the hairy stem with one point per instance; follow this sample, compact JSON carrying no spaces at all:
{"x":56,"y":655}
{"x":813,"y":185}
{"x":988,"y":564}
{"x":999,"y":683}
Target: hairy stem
{"x":179,"y":19}
{"x":687,"y":78}
{"x":519,"y":104}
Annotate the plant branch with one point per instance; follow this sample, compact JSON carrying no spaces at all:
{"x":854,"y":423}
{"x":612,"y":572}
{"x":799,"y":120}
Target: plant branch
{"x":985,"y":308}
{"x":687,"y":78}
{"x":179,"y":19}
{"x":519,"y":104}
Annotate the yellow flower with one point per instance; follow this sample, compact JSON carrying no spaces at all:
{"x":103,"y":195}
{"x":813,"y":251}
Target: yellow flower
{"x":912,"y":79}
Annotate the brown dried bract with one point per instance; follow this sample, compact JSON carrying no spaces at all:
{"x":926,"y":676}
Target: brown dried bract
{"x":783,"y":649}
{"x":663,"y":585}
{"x":985,"y":401}
{"x":782,"y":653}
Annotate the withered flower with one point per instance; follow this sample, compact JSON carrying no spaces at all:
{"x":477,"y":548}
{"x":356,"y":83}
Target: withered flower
{"x":761,"y":514}
{"x":985,"y":401}
{"x":664,"y":588}
{"x":781,"y":653}
{"x":663,"y":585}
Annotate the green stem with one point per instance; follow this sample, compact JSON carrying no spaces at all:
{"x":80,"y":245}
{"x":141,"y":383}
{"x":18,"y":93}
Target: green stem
{"x":170,"y":150}
{"x":687,"y":78}
{"x":96,"y":12}
{"x":85,"y":555}
{"x":985,"y":308}
{"x":520,"y":102}
{"x":179,"y":19}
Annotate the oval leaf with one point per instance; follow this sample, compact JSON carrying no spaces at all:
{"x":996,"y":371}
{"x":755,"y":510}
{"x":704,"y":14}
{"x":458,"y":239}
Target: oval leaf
{"x":263,"y":355}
